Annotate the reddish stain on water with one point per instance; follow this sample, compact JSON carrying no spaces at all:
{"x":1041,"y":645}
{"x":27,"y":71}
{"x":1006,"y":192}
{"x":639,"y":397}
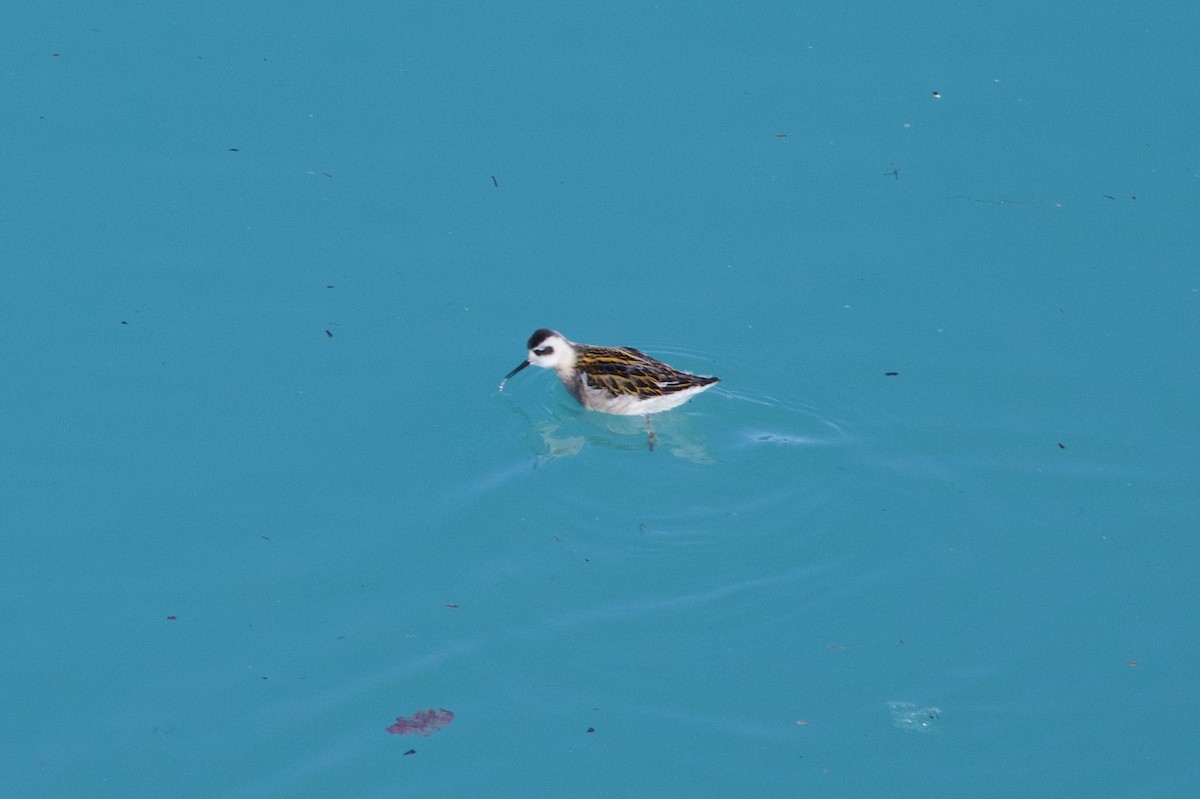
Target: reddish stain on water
{"x":423,"y":722}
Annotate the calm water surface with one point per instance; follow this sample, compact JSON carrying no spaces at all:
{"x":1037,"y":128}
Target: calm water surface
{"x":933,"y":532}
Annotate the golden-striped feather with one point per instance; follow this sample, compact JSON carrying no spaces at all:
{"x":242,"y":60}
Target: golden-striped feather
{"x":624,"y":370}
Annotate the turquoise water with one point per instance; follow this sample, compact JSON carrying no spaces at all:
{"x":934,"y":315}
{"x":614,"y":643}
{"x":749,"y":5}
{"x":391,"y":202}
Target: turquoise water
{"x":263,"y":271}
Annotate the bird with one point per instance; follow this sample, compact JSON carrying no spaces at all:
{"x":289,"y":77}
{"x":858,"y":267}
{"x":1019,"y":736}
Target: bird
{"x":616,"y":380}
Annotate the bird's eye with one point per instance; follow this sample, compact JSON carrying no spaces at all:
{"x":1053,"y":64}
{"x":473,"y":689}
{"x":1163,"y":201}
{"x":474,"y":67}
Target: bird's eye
{"x":544,"y":351}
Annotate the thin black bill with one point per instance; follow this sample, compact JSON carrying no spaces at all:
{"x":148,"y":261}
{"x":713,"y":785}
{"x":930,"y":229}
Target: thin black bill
{"x":520,"y":366}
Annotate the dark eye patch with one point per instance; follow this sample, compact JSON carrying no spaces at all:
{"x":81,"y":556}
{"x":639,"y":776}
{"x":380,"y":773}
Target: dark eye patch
{"x":543,"y":351}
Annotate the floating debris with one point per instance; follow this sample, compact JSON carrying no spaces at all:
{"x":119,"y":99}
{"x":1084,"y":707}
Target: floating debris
{"x":423,"y":722}
{"x":910,"y":718}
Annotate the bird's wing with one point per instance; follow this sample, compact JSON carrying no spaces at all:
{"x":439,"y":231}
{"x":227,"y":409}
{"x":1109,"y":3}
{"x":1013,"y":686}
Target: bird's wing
{"x":624,"y":370}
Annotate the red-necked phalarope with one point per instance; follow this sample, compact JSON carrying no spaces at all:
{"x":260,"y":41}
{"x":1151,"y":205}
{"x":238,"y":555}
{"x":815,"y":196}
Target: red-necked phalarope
{"x":617,"y":380}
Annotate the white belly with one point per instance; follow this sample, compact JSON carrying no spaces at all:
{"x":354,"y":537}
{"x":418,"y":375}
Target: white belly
{"x":632,"y":404}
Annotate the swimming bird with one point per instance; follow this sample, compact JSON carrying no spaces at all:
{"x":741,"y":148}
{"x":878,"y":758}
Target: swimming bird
{"x":617,"y":380}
